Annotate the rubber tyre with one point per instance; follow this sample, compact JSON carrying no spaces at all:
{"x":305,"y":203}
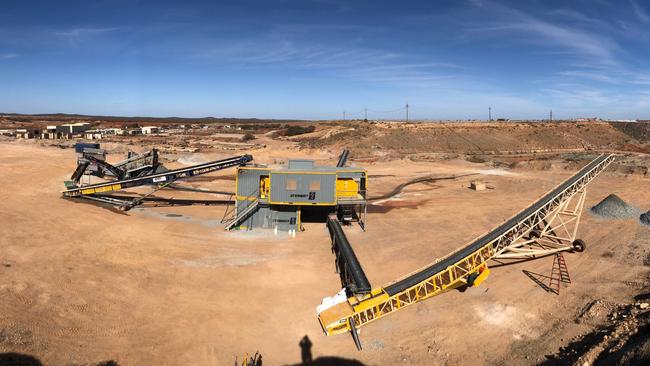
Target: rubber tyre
{"x":471,"y":278}
{"x":535,"y":234}
{"x":579,"y":246}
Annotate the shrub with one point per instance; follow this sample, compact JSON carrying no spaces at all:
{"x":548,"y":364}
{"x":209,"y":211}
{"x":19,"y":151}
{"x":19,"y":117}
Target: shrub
{"x":298,"y":130}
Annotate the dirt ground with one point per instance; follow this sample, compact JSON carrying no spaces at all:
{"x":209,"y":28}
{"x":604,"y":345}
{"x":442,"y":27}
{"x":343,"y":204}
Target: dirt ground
{"x":82,"y":284}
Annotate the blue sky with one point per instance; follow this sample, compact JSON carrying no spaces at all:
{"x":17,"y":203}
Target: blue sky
{"x":315,"y":59}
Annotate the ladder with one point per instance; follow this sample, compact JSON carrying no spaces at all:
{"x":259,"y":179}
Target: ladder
{"x":559,"y":273}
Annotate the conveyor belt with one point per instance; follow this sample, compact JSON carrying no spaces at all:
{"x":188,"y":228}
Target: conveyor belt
{"x":343,"y":158}
{"x":165,"y":177}
{"x":81,"y":169}
{"x":467,"y":265}
{"x":115,"y":171}
{"x":169,"y":201}
{"x":137,"y":164}
{"x":352,"y":275}
{"x":474,"y":246}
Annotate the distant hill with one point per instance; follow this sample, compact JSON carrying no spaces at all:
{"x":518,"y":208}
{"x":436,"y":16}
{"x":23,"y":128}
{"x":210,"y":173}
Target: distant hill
{"x":154,"y":120}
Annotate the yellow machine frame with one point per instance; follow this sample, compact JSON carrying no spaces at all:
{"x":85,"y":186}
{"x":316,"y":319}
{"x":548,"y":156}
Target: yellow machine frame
{"x":346,"y":316}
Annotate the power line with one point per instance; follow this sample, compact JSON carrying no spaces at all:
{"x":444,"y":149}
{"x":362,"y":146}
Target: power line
{"x":391,"y":111}
{"x":407,"y":112}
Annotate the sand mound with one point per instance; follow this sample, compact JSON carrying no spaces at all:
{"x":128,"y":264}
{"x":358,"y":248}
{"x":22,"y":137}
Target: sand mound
{"x":614,"y":207}
{"x":192,"y":159}
{"x":645,"y":218}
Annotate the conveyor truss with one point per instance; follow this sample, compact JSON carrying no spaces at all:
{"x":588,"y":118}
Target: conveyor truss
{"x":100,"y":191}
{"x":548,"y":226}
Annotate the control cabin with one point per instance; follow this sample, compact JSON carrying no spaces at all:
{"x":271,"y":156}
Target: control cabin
{"x":284,"y":197}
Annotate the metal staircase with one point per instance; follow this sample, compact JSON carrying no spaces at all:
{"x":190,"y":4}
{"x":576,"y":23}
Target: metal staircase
{"x":243,"y":215}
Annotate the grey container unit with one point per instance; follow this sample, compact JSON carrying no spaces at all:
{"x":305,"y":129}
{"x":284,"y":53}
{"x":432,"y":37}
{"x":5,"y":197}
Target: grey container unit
{"x":301,"y":188}
{"x":248,"y":186}
{"x":248,"y":182}
{"x":317,"y":188}
{"x":284,"y":218}
{"x":260,"y":218}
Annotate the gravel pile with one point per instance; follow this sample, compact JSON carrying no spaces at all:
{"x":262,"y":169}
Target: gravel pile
{"x":645,"y":218}
{"x":614,"y":207}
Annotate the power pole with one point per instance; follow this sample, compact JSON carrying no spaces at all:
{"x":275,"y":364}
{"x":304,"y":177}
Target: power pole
{"x":490,"y":114}
{"x":365,"y":114}
{"x":344,"y":115}
{"x":551,"y":116}
{"x":407,"y":112}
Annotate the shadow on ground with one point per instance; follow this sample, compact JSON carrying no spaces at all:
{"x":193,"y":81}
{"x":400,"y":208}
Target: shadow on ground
{"x":306,"y":356}
{"x":19,"y":359}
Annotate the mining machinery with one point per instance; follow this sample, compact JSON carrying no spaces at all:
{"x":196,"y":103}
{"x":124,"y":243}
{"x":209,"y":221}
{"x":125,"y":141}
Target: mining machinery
{"x":98,"y":191}
{"x":91,"y":160}
{"x":548,"y":226}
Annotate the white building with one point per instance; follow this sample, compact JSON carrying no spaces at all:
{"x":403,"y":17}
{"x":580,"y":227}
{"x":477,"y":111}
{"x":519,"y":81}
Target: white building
{"x":150,"y":129}
{"x":92,"y":135}
{"x":73,"y":128}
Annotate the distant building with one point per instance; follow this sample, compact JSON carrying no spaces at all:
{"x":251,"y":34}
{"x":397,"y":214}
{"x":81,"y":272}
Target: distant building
{"x":73,"y":128}
{"x":587,"y":119}
{"x":49,"y":133}
{"x":22,"y":133}
{"x":7,"y":133}
{"x":150,"y":129}
{"x":92,"y":135}
{"x":111,"y":131}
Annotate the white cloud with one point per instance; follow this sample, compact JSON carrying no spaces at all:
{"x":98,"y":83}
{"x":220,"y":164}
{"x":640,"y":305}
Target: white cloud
{"x":84,"y":32}
{"x":7,"y":56}
{"x":640,"y":12}
{"x":518,"y":25}
{"x":77,"y":36}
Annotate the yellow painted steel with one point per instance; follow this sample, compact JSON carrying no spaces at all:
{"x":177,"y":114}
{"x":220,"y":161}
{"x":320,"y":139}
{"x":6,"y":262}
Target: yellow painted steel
{"x":485,"y":272}
{"x":347,"y":187}
{"x":380,"y":304}
{"x":112,"y":187}
{"x":265,"y":186}
{"x":299,"y":213}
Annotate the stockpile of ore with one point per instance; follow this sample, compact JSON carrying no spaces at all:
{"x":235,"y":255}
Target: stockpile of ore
{"x":614,"y":207}
{"x":645,"y":218}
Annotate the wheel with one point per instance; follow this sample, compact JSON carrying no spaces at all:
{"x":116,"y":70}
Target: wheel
{"x":471,"y":278}
{"x":579,"y":245}
{"x":535,"y":234}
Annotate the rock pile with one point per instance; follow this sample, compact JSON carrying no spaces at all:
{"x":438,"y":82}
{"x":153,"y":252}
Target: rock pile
{"x":645,"y":218}
{"x":614,"y":207}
